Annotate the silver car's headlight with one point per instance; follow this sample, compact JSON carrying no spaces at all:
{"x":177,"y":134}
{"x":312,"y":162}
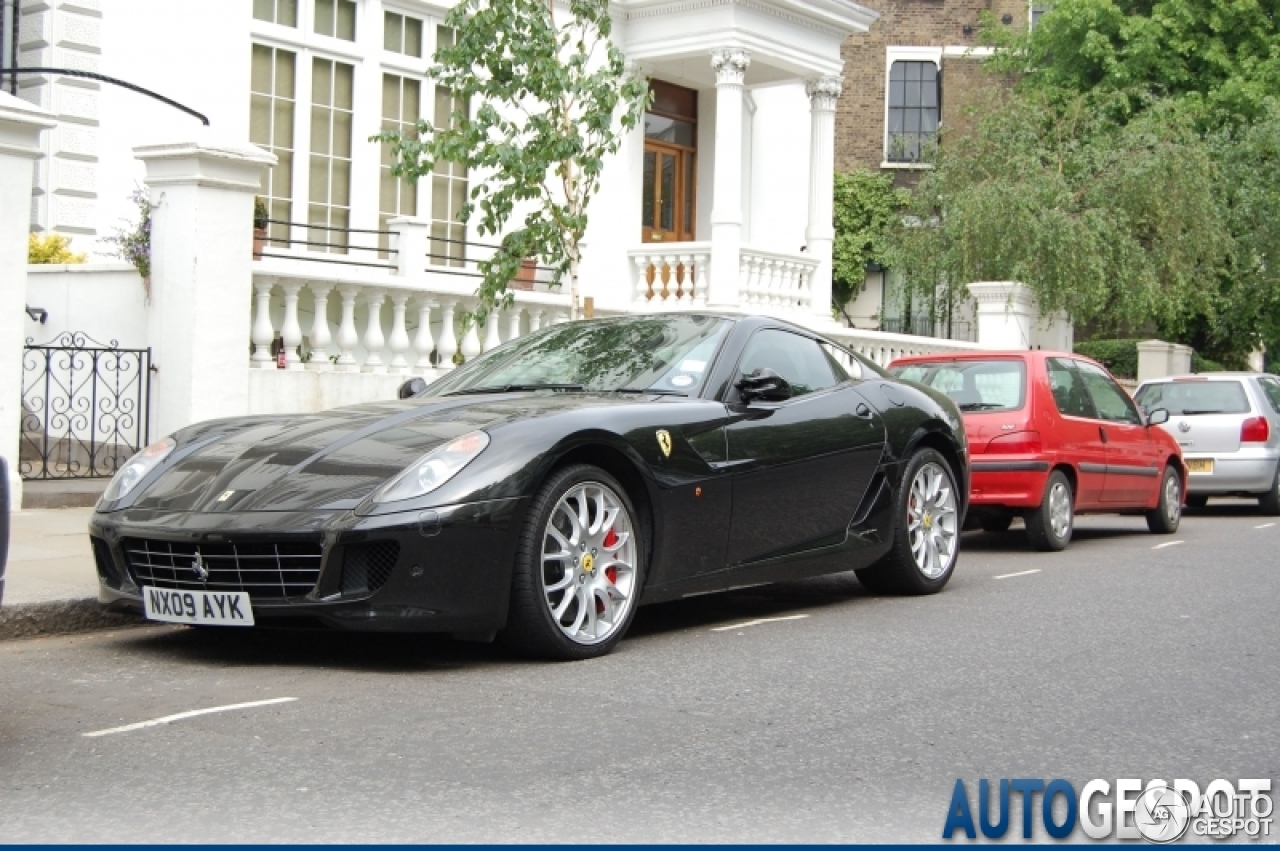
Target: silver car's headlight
{"x":433,"y":469}
{"x":136,"y":469}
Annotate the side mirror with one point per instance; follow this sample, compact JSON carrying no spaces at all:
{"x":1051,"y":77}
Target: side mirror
{"x":1158,"y":416}
{"x":764,"y":385}
{"x":411,"y":388}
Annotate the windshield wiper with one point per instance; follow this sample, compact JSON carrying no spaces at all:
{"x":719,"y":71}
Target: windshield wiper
{"x":648,"y":391}
{"x":517,"y":388}
{"x":979,"y":406}
{"x":1192,"y":413}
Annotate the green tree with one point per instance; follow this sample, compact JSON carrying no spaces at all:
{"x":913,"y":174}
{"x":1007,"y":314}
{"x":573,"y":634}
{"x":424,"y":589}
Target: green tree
{"x":866,"y":205}
{"x":551,"y":100}
{"x":51,"y":248}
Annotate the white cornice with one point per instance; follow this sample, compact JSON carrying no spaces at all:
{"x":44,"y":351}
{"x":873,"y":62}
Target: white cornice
{"x":831,"y":16}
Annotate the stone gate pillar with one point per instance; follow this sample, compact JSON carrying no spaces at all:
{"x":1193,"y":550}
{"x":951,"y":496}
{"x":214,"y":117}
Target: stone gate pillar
{"x":201,"y":277}
{"x":20,"y":128}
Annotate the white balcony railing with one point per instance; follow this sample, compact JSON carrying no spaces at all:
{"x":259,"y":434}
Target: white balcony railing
{"x":884,"y":348}
{"x":673,"y":276}
{"x":775,"y":281}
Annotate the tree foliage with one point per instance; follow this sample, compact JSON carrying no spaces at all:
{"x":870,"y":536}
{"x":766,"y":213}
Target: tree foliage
{"x":51,"y":248}
{"x":549,"y":101}
{"x":866,"y":205}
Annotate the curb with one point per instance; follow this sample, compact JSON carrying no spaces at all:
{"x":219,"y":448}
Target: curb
{"x":60,"y":617}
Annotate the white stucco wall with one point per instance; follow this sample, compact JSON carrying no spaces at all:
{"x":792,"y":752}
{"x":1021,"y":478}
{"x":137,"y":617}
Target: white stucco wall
{"x":779,"y":174}
{"x":103,"y":300}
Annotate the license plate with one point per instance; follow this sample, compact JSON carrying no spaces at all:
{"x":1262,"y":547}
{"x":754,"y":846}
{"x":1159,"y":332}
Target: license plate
{"x":220,"y":608}
{"x":1199,"y":465}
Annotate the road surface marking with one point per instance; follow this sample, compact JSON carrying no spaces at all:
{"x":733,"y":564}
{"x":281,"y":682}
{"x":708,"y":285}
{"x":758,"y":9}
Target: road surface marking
{"x":155,"y":722}
{"x":1264,"y":526}
{"x":1167,"y":544}
{"x":757,"y":622}
{"x":1019,"y":573}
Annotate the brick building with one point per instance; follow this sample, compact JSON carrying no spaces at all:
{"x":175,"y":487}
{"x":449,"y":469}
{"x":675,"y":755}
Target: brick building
{"x":912,"y":74}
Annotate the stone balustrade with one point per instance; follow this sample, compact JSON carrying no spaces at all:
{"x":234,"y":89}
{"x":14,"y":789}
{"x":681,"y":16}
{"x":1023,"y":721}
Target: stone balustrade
{"x":672,"y":276}
{"x":337,"y":324}
{"x":775,"y":281}
{"x":884,"y":348}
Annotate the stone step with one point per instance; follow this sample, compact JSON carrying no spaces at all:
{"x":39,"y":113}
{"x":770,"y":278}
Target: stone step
{"x":62,"y":493}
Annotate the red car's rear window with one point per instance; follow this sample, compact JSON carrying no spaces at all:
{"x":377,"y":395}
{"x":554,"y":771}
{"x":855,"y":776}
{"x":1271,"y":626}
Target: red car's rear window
{"x":999,"y":384}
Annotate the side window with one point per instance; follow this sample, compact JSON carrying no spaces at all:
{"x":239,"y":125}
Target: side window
{"x":1069,"y":393}
{"x":1271,"y":388}
{"x":1109,"y":399}
{"x":797,"y":359}
{"x":843,"y":363}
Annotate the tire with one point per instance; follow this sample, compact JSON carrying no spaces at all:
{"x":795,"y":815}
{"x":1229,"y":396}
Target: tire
{"x":1049,"y":525}
{"x":595,"y":577}
{"x":997,"y":523}
{"x":1164,"y":518}
{"x":1197,"y":500}
{"x":926,"y":515}
{"x":1269,"y":502}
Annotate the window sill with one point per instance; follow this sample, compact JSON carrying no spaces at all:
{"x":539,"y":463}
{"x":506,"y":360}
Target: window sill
{"x":908,"y":166}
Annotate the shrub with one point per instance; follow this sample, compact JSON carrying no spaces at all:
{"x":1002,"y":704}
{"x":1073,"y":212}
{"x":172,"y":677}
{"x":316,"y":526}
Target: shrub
{"x":134,"y":242}
{"x":1120,"y":357}
{"x":51,"y":248}
{"x":1199,"y":364}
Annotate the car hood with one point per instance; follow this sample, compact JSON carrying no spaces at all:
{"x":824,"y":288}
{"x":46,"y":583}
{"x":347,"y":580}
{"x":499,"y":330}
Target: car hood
{"x":327,"y":460}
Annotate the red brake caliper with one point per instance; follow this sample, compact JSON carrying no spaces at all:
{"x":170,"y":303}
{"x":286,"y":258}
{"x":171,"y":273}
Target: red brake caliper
{"x":611,"y":541}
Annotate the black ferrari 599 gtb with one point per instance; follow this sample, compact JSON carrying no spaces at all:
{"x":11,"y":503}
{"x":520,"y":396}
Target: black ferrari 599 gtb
{"x":547,"y":488}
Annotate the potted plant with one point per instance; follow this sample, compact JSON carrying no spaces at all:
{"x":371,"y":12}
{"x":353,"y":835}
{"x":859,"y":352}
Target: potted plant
{"x":260,"y":217}
{"x":525,"y":278}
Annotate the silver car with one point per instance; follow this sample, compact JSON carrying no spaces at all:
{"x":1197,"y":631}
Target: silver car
{"x":1228,"y":424}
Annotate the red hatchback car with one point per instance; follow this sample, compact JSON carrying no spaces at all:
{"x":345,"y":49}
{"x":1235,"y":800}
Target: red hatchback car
{"x":1052,"y":435}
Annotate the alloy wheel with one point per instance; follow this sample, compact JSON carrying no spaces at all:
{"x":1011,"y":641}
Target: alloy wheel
{"x":1172,"y":499}
{"x":1060,"y":509}
{"x":932,"y":520}
{"x":588,"y":563}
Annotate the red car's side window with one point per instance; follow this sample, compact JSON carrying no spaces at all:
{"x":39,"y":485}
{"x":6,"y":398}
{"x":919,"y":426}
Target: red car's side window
{"x":1110,"y":400}
{"x":1069,"y":392}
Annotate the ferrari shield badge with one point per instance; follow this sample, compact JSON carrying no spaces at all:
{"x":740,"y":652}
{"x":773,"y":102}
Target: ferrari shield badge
{"x":664,"y":442}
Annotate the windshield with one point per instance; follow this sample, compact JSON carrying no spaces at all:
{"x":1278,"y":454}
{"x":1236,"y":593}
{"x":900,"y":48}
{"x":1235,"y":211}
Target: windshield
{"x":974,"y":385}
{"x":1192,"y":398}
{"x":665,"y":354}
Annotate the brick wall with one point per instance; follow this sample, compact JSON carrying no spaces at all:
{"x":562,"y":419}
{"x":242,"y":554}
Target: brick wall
{"x":860,"y":119}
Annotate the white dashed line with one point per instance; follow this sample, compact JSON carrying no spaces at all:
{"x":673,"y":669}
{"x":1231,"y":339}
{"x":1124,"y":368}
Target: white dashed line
{"x":1019,"y":573}
{"x":155,"y":722}
{"x":1167,"y":544}
{"x":1264,"y":526}
{"x":757,"y":622}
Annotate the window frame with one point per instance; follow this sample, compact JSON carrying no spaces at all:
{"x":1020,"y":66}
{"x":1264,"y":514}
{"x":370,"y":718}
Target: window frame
{"x":733,"y":396}
{"x":908,"y":54}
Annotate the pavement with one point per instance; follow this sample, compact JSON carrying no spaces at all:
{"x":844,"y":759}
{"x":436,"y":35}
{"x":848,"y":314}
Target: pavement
{"x":50,"y":582}
{"x":802,"y":712}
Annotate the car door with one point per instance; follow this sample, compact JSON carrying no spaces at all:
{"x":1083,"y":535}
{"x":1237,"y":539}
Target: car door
{"x":1075,"y":434}
{"x":1133,"y":468}
{"x":800,"y":467}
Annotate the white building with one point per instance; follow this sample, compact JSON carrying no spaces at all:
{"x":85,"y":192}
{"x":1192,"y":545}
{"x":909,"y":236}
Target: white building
{"x":721,"y":199}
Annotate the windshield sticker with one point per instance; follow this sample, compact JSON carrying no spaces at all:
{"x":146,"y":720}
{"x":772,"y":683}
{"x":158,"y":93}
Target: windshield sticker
{"x":682,"y":380}
{"x":692,"y":366}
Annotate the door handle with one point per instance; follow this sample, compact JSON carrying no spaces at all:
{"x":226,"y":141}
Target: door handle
{"x":862,"y":411}
{"x":1102,"y":432}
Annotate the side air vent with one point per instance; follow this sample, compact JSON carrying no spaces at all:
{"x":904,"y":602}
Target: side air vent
{"x":368,"y":566}
{"x":103,"y":561}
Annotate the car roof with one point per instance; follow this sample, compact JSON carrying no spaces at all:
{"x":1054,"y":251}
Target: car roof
{"x":988,"y":354}
{"x":1210,"y":376}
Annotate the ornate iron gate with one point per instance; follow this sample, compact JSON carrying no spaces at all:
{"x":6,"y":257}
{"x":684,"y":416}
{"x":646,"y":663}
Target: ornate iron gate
{"x":86,"y":407}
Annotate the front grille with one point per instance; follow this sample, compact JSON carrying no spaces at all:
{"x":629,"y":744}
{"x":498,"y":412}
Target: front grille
{"x":267,"y":571}
{"x":368,"y":566}
{"x":103,"y":561}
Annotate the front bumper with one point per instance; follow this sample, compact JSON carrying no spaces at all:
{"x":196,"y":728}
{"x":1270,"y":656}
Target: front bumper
{"x":452,"y":572}
{"x":1247,"y":471}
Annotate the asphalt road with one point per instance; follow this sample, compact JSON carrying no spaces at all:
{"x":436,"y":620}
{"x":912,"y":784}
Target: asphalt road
{"x":851,"y":723}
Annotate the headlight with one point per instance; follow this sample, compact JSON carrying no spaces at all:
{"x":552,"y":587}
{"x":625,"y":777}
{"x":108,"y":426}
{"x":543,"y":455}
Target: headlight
{"x":136,"y":469}
{"x":433,"y":469}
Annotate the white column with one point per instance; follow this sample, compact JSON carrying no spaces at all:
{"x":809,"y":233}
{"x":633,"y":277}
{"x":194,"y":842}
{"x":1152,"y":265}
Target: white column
{"x":535,"y":319}
{"x":422,"y":342}
{"x":821,"y":232}
{"x":399,"y":341}
{"x":730,"y":66}
{"x":20,"y":128}
{"x":201,"y":275}
{"x":413,"y":236}
{"x":470,"y":341}
{"x":319,"y":338}
{"x":290,"y":330}
{"x":373,"y":339}
{"x":263,"y":332}
{"x":513,"y":326}
{"x":348,"y":339}
{"x":448,"y":345}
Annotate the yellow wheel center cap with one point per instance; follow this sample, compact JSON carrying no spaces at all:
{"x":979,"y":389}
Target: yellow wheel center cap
{"x":588,"y":563}
{"x":928,"y":520}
